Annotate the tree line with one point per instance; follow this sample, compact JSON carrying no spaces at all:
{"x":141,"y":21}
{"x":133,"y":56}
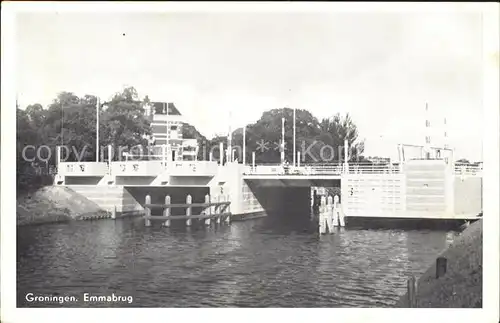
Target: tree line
{"x":70,"y":121}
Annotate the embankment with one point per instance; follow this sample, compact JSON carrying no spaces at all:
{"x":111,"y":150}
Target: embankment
{"x":461,"y":286}
{"x":53,"y":204}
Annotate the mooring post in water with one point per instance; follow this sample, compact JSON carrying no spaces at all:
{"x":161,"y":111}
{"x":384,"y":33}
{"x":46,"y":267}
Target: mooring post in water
{"x":113,"y":212}
{"x":213,"y":208}
{"x":218,"y":208}
{"x":166,"y":210}
{"x":189,"y":200}
{"x":412,"y":292}
{"x":208,"y":210}
{"x":228,"y":210}
{"x":322,"y":223}
{"x":441,"y":263}
{"x":337,"y":217}
{"x":147,"y":209}
{"x":329,"y":217}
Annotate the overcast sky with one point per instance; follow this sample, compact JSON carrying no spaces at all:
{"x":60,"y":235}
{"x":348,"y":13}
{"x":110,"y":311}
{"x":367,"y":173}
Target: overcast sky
{"x":381,"y":68}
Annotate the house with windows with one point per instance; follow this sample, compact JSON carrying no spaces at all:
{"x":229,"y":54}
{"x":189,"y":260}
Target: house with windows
{"x":166,"y":129}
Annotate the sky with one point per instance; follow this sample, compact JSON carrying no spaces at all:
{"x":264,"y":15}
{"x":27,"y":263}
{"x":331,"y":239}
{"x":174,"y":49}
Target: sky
{"x":382,"y":68}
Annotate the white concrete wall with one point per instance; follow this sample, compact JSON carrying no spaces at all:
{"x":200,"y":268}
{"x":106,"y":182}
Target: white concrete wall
{"x":381,"y":195}
{"x":107,"y":197}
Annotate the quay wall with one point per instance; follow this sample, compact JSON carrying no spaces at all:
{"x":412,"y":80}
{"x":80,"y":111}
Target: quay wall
{"x":461,"y":286}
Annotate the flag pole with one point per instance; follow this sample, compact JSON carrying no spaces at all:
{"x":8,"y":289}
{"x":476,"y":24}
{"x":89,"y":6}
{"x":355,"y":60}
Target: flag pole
{"x":294,"y":139}
{"x":244,"y":144}
{"x":283,"y":141}
{"x":97,"y":129}
{"x":229,"y":139}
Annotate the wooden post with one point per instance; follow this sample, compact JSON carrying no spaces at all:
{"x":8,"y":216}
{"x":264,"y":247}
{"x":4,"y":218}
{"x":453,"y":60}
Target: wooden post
{"x":228,"y":209}
{"x":440,"y":266}
{"x":218,"y":208}
{"x":253,"y":161}
{"x":411,"y":292}
{"x":166,"y":210}
{"x":208,"y":210}
{"x":113,"y":212}
{"x":213,"y":208}
{"x":322,"y":224}
{"x":298,"y":158}
{"x":147,"y":221}
{"x":329,"y":215}
{"x":189,"y":200}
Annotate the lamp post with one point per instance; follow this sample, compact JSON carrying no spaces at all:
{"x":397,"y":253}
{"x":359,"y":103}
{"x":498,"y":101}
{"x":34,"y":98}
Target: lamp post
{"x":282,"y":140}
{"x":97,"y":129}
{"x":294,"y":139}
{"x":244,"y":145}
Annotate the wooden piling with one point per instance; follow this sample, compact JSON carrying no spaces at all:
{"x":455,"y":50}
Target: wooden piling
{"x":113,"y":213}
{"x":166,"y":211}
{"x":220,"y":198}
{"x":330,"y":215}
{"x":189,"y":200}
{"x":441,"y":263}
{"x":412,"y":292}
{"x":208,"y":210}
{"x":322,"y":224}
{"x":226,"y":209}
{"x":147,"y":221}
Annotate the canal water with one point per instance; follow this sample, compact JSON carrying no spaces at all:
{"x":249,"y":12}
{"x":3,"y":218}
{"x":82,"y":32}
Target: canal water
{"x":257,"y":263}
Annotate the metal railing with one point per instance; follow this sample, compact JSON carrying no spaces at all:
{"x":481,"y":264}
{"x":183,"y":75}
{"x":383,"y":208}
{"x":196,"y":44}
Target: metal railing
{"x":468,"y":170}
{"x":82,"y":168}
{"x":331,"y":169}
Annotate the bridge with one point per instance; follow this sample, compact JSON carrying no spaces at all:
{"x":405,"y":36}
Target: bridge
{"x":415,"y":188}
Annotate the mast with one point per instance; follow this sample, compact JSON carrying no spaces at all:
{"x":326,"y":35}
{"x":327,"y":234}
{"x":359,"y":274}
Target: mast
{"x":283,"y":141}
{"x":294,"y":137}
{"x":229,"y":137}
{"x":427,"y":149}
{"x":97,"y":129}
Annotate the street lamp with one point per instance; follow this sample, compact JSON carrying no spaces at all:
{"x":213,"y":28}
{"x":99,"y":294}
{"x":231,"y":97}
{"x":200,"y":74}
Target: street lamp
{"x":283,"y":140}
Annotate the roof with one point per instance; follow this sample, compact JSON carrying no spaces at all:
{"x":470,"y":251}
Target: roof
{"x":172,"y":110}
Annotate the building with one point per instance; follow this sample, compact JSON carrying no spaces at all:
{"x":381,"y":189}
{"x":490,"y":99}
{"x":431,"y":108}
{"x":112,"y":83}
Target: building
{"x":166,"y":129}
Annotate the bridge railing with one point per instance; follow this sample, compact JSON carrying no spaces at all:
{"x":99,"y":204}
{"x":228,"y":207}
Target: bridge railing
{"x":82,"y":168}
{"x":468,"y":170}
{"x":137,"y":168}
{"x":192,"y":168}
{"x":332,"y":169}
{"x":374,"y":169}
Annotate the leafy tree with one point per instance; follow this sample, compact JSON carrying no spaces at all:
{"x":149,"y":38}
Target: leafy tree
{"x":335,"y":130}
{"x":318,"y":142}
{"x":123,"y":120}
{"x":190,"y":132}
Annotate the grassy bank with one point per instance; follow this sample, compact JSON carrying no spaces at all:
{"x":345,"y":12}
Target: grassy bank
{"x":461,"y":286}
{"x":51,"y":204}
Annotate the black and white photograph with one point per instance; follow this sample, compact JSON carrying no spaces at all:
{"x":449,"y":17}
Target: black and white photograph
{"x":250,"y":155}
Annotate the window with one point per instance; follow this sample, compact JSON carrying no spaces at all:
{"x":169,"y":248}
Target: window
{"x":173,"y":128}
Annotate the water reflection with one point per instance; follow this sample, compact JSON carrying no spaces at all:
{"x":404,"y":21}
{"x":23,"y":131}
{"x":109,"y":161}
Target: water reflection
{"x":261,"y":263}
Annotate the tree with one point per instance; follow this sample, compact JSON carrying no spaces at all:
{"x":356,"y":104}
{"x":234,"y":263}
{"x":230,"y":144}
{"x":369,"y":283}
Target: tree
{"x":318,"y":142}
{"x":123,"y":121}
{"x":337,"y":129}
{"x":190,"y":132}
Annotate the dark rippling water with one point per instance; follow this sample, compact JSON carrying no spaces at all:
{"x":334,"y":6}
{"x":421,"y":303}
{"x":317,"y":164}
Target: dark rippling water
{"x":258,"y":263}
